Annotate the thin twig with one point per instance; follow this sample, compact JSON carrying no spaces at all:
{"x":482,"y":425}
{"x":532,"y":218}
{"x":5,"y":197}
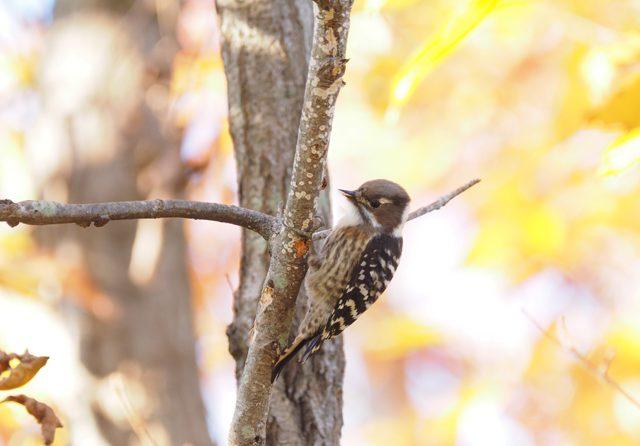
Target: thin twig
{"x":99,"y":214}
{"x":442,"y":201}
{"x":600,"y":372}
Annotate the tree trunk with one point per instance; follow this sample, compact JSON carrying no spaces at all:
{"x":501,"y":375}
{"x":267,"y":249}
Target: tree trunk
{"x":141,"y":329}
{"x":265,"y":48}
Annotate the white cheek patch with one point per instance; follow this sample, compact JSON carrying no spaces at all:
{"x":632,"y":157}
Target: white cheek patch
{"x":350,"y":217}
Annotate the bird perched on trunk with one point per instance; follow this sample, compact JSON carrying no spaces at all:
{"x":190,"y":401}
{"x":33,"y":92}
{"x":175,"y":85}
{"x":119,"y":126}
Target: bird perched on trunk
{"x":353,"y":267}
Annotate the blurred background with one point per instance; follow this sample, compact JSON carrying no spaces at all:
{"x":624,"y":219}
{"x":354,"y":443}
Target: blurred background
{"x":538,"y":98}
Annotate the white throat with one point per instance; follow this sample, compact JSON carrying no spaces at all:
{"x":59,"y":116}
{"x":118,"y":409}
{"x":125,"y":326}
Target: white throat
{"x":350,"y":217}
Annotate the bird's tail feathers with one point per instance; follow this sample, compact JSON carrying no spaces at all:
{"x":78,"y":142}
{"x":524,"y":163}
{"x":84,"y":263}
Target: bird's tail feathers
{"x":287,"y":356}
{"x":313,"y":345}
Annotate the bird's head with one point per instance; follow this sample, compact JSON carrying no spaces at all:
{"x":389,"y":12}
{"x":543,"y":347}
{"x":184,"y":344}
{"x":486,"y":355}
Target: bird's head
{"x":382,"y":204}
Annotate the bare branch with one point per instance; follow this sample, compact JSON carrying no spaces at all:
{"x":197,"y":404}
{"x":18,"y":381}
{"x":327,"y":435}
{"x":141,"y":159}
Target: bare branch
{"x":288,"y":262}
{"x":50,"y":212}
{"x":440,"y":202}
{"x":601,"y":372}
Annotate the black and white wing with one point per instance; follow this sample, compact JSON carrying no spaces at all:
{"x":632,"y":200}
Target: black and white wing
{"x":369,"y":278}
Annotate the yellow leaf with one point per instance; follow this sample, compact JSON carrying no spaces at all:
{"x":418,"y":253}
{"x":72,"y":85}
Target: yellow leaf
{"x":621,"y":108}
{"x":574,"y":102}
{"x":622,"y":154}
{"x":435,"y":49}
{"x":21,"y":374}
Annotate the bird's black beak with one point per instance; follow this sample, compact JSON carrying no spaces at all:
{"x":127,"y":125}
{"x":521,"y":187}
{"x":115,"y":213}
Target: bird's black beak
{"x":351,"y":194}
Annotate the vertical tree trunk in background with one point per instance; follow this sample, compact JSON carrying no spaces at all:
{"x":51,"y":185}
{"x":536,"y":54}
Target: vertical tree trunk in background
{"x":265,"y":47}
{"x":149,"y":339}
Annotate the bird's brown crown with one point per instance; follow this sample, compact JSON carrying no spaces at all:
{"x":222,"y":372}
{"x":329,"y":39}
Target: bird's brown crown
{"x":381,"y":203}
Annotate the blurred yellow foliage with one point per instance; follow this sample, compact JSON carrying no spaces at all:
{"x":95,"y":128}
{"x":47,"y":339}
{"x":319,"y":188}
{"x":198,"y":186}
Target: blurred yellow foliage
{"x":16,"y":70}
{"x":193,"y":72}
{"x":521,"y":232}
{"x":14,"y":242}
{"x":622,"y":154}
{"x":621,"y":109}
{"x":436,"y":48}
{"x":625,"y":342}
{"x":395,"y":335}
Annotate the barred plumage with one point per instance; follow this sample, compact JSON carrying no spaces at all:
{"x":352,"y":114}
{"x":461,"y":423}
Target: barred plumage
{"x":354,"y":266}
{"x":369,"y":278}
{"x":326,"y":278}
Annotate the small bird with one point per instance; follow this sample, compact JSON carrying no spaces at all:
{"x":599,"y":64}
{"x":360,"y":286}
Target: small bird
{"x":353,"y":267}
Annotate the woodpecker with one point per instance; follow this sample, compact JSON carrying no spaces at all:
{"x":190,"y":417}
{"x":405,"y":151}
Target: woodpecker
{"x":353,"y":267}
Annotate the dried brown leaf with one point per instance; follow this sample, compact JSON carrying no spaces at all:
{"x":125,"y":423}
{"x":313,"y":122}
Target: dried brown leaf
{"x":22,"y":373}
{"x":4,"y":361}
{"x":44,"y":414}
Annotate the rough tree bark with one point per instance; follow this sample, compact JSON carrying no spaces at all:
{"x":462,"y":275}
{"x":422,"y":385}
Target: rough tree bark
{"x":266,"y":48}
{"x":149,"y":339}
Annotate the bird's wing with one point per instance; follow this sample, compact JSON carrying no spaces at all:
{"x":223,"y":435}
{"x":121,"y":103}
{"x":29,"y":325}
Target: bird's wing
{"x":369,"y":278}
{"x":326,"y":280}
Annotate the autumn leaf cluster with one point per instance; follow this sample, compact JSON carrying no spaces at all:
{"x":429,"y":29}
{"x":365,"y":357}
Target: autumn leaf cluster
{"x":16,"y":371}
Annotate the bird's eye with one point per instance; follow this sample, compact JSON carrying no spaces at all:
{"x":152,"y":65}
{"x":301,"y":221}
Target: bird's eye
{"x":375,"y":204}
